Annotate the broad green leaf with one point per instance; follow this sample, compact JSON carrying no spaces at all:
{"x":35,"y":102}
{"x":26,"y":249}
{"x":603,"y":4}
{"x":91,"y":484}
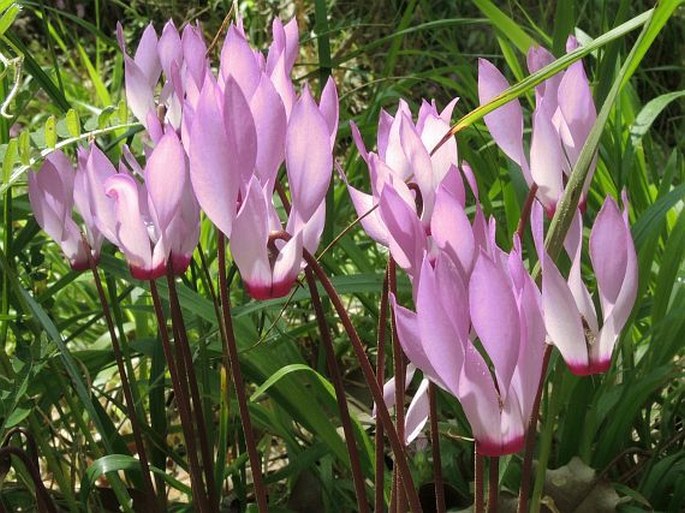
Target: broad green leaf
{"x":649,"y":113}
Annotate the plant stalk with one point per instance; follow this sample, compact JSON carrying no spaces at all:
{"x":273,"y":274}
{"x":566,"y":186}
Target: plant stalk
{"x":493,"y":484}
{"x":199,"y":497}
{"x":336,"y":376}
{"x":379,"y":481}
{"x":479,"y":470}
{"x":158,"y":500}
{"x":182,"y":343}
{"x":236,"y":373}
{"x":531,"y":435}
{"x":370,"y":377}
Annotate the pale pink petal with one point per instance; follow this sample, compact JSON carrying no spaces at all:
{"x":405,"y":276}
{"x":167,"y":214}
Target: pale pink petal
{"x":287,"y":267}
{"x":546,"y":160}
{"x":417,"y":413}
{"x":238,"y":62}
{"x":147,"y":56}
{"x":407,"y":238}
{"x":495,"y":317}
{"x":451,"y":230}
{"x":165,"y":178}
{"x":309,"y":161}
{"x":169,"y":47}
{"x":249,"y":242}
{"x":328,"y":105}
{"x":270,"y":124}
{"x":214,"y":178}
{"x":505,"y":123}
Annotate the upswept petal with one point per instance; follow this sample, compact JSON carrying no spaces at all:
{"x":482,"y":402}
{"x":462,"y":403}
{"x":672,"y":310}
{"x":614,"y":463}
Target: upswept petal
{"x":495,"y":318}
{"x":147,"y":56}
{"x":419,"y":160}
{"x":577,"y":109}
{"x":213,"y":172}
{"x":287,"y":266}
{"x":239,"y":63}
{"x":249,"y":242}
{"x":562,"y":319}
{"x":309,"y":161}
{"x":131,"y":232}
{"x":270,"y":124}
{"x":165,"y":178}
{"x":417,"y":413}
{"x":438,"y":304}
{"x":536,"y":59}
{"x":608,"y":245}
{"x":329,"y":106}
{"x":451,"y":230}
{"x":372,"y":223}
{"x":241,"y":133}
{"x":505,"y":123}
{"x":573,"y":244}
{"x":407,"y":238}
{"x":194,"y":54}
{"x":98,"y":169}
{"x":546,"y":159}
{"x":139,"y":92}
{"x":170,"y":48}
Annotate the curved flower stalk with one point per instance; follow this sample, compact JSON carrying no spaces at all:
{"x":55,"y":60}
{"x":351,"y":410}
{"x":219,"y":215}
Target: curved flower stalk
{"x":402,"y":158}
{"x":246,"y":123}
{"x":157,"y":223}
{"x":500,"y":303}
{"x":53,"y":192}
{"x":569,"y":312}
{"x":181,"y":58}
{"x":564,"y":114}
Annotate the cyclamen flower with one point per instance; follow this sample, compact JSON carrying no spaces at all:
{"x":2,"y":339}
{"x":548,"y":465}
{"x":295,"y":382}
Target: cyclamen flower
{"x":501,"y":304}
{"x":157,"y":222}
{"x":570,"y":317}
{"x":562,"y":120}
{"x":53,"y":194}
{"x":182,"y":60}
{"x":246,"y":123}
{"x":402,"y":158}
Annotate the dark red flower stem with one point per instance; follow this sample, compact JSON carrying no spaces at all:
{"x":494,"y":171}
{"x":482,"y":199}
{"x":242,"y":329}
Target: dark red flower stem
{"x":479,"y":470}
{"x":440,"y":506}
{"x":236,"y":373}
{"x":370,"y":377}
{"x":531,"y":435}
{"x":493,"y":484}
{"x":43,"y":499}
{"x":336,"y":376}
{"x":399,"y":365}
{"x":379,"y":502}
{"x":157,"y":500}
{"x":525,"y":213}
{"x":200,"y":499}
{"x":183,"y":347}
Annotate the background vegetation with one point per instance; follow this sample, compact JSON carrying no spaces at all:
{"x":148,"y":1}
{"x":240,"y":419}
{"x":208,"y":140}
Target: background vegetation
{"x":57,"y":374}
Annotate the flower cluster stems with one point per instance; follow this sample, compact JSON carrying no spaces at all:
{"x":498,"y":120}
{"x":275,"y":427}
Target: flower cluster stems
{"x":336,"y":376}
{"x":531,"y":436}
{"x":399,"y":366}
{"x":251,"y":446}
{"x":183,"y":347}
{"x":376,"y":391}
{"x":157,"y":500}
{"x":379,"y":502}
{"x":493,"y":485}
{"x":479,"y":470}
{"x":200,"y":499}
{"x":440,"y":506}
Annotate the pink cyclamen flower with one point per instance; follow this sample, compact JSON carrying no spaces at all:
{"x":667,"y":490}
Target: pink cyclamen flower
{"x":181,"y":58}
{"x":52,"y":195}
{"x":245,"y":124}
{"x":157,"y":222}
{"x":501,"y":304}
{"x":403,"y":158}
{"x":269,"y":267}
{"x":569,"y":312}
{"x":562,"y":120}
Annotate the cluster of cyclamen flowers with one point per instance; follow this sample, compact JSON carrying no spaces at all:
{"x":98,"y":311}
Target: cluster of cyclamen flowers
{"x":216,"y":143}
{"x":213,"y":142}
{"x":465,"y":287}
